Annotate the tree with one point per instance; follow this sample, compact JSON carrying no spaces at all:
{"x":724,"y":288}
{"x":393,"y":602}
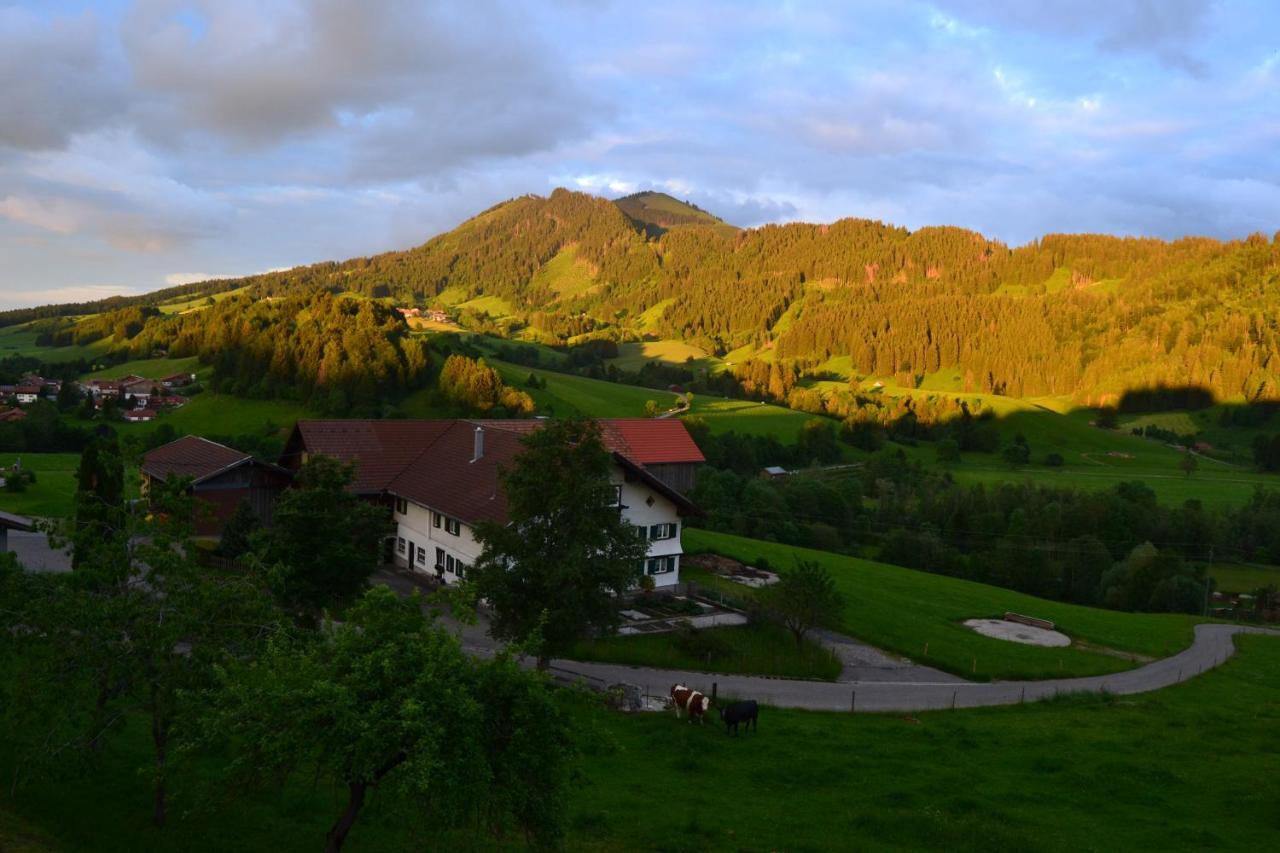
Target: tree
{"x":1188,"y":463}
{"x":132,"y":630}
{"x":386,"y":700}
{"x":557,"y":569}
{"x":652,"y":409}
{"x":99,"y":500}
{"x":324,"y":541}
{"x":805,"y":598}
{"x":237,"y":535}
{"x":948,"y":451}
{"x":1016,"y":454}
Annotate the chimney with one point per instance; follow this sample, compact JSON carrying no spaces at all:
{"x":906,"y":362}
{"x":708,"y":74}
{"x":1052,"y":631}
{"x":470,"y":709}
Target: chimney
{"x":478,"y":450}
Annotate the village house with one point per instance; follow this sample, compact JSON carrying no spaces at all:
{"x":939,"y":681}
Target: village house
{"x":437,"y":316}
{"x":139,"y":415}
{"x":441,"y":479}
{"x":25,"y":394}
{"x":221,"y":477}
{"x":177,"y":380}
{"x":8,"y":415}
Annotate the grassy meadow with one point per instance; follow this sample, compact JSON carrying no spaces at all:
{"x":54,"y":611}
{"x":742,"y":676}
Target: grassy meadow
{"x":149,"y":368}
{"x":756,"y":649}
{"x":53,"y":493}
{"x":1190,"y":767}
{"x":902,"y":610}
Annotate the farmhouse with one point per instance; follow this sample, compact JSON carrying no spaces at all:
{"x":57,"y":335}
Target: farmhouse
{"x":221,"y":477}
{"x":139,"y":415}
{"x":441,"y":478}
{"x":27,"y":393}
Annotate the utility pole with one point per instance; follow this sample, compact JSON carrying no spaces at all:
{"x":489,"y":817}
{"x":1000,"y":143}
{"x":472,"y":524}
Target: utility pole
{"x":1207,"y":577}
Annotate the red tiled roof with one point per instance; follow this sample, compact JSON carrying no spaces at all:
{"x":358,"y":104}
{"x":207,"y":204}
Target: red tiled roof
{"x":445,"y":478}
{"x":189,"y":456}
{"x":649,"y":441}
{"x":380,"y":450}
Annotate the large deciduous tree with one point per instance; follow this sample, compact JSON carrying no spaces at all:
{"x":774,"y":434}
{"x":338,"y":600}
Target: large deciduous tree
{"x":324,"y":541}
{"x":385,"y":700}
{"x":554,"y":572}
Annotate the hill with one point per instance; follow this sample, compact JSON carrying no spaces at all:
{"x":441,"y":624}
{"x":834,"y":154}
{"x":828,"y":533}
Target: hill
{"x":1087,"y":317}
{"x":657,"y":212}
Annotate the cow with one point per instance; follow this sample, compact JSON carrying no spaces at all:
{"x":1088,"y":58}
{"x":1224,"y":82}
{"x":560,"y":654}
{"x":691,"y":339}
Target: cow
{"x":741,"y":712}
{"x":680,"y":697}
{"x":697,"y":706}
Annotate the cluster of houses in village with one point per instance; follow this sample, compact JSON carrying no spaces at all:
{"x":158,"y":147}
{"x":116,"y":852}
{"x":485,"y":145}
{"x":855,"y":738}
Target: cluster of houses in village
{"x":435,"y":315}
{"x":440,"y":478}
{"x":138,"y":398}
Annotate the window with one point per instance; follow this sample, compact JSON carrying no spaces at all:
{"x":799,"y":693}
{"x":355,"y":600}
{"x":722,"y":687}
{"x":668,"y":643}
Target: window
{"x":439,"y":558}
{"x":660,"y":565}
{"x":663,"y":531}
{"x":642,"y":532}
{"x":448,"y":563}
{"x":452,"y":525}
{"x":422,"y":556}
{"x":402,"y":506}
{"x":399,"y":544}
{"x":617,"y":496}
{"x":460,"y":568}
{"x":435,"y":519}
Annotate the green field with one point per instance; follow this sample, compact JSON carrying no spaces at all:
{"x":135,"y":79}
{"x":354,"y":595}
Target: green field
{"x":900,"y":610}
{"x":1244,"y":577}
{"x":756,"y":649}
{"x":748,"y":418}
{"x":210,"y":413}
{"x":149,"y":368}
{"x":1191,"y":767}
{"x":566,"y":275}
{"x":634,"y":355}
{"x":53,"y":493}
{"x":567,"y":395}
{"x":21,"y":340}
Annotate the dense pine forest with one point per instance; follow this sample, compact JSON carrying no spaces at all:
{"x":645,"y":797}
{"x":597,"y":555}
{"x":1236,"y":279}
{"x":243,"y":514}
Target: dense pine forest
{"x":1088,"y":316}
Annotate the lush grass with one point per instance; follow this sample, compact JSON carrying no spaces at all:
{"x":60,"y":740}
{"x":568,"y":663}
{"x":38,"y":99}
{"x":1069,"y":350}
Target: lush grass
{"x":634,"y":355}
{"x":577,"y":395}
{"x":1188,"y":768}
{"x":902,"y":610}
{"x":149,"y":368}
{"x":53,"y":493}
{"x":755,"y":649}
{"x":1191,"y":767}
{"x":210,"y":413}
{"x":21,"y":340}
{"x":494,"y":306}
{"x":566,"y":275}
{"x":1244,"y":577}
{"x":748,"y":418}
{"x":182,"y":306}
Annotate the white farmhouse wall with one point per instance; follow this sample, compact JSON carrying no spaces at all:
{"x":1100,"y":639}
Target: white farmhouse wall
{"x":415,"y":531}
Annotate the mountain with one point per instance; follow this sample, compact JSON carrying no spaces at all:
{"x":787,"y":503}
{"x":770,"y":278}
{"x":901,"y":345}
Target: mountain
{"x":1082,"y":315}
{"x":657,"y":212}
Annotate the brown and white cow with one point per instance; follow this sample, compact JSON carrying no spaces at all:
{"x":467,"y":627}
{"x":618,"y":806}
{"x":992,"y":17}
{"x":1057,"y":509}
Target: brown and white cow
{"x":697,"y":706}
{"x":680,"y":697}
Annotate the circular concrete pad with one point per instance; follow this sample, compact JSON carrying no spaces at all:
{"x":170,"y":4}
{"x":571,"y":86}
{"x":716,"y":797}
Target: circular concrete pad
{"x":1002,"y":629}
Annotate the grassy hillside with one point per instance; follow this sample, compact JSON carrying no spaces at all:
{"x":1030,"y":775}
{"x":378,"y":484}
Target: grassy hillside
{"x":52,"y":494}
{"x":1077,"y":773}
{"x":150,"y":368}
{"x":901,"y":610}
{"x":658,"y":212}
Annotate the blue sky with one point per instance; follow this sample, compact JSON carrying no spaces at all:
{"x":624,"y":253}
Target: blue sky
{"x":157,"y":141}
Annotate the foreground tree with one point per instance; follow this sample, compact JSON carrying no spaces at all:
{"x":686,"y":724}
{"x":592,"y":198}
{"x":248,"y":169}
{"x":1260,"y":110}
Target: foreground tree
{"x":556,"y":570}
{"x":136,"y":626}
{"x":805,"y":598}
{"x":323,"y":541}
{"x":384,"y":700}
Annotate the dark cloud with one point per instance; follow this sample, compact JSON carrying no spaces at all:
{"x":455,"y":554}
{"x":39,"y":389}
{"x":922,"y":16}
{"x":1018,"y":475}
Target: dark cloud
{"x":56,"y":78}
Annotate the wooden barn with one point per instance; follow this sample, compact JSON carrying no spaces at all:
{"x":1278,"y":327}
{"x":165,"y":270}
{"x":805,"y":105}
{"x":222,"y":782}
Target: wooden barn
{"x":221,"y":477}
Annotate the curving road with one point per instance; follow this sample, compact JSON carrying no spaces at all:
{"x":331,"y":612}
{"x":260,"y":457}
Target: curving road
{"x":1212,"y":646}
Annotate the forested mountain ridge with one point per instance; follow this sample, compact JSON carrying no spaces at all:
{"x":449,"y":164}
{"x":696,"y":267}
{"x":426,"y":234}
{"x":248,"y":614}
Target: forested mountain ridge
{"x":1081,"y":315}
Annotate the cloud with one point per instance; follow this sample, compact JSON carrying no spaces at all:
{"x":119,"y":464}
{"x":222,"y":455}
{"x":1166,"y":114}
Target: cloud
{"x":56,"y":78}
{"x":406,"y":90}
{"x":1169,"y":30}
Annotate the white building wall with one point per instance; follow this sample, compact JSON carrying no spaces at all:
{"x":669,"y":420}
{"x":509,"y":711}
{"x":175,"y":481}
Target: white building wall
{"x":415,"y":531}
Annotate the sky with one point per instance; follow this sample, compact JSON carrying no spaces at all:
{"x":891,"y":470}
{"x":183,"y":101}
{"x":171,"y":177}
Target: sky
{"x":157,"y":142}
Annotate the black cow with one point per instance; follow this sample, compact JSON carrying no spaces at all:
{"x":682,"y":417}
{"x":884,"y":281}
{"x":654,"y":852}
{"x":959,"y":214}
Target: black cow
{"x":741,"y":712}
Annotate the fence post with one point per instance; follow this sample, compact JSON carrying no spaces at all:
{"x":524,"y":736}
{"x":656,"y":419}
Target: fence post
{"x":953,"y":700}
{"x":853,"y":701}
{"x":1024,"y":695}
{"x":714,"y":685}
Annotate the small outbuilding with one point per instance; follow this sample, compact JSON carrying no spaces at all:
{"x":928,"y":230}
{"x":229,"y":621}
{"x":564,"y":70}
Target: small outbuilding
{"x":221,"y":477}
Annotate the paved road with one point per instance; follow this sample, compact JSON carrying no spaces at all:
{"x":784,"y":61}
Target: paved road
{"x":883,"y":683}
{"x":1213,"y":645}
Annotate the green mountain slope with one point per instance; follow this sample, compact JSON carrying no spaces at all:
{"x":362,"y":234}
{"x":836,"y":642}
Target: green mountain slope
{"x":657,"y":212}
